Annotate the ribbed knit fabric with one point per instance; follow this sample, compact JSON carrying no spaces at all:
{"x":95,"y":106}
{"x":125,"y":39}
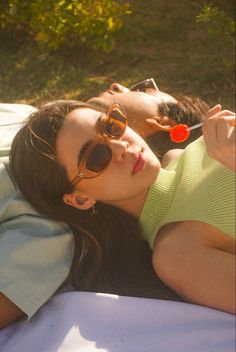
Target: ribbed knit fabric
{"x":192,"y":187}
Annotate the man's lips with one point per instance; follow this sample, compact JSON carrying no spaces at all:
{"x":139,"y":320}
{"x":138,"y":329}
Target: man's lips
{"x":139,"y":162}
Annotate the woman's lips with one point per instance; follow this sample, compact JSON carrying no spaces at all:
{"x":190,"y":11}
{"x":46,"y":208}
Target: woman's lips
{"x":139,"y":163}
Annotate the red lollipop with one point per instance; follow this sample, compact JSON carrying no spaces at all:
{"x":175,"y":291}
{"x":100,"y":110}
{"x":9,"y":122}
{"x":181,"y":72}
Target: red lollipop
{"x":179,"y":133}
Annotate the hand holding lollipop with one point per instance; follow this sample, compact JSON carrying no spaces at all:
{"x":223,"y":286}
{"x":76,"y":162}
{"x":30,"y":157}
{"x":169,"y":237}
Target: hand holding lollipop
{"x":218,"y":134}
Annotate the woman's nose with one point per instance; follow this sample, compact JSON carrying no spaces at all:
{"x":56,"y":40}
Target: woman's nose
{"x":118,"y":148}
{"x":116,"y":87}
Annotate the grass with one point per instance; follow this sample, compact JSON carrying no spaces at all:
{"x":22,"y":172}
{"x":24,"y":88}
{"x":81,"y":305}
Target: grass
{"x":161,"y":39}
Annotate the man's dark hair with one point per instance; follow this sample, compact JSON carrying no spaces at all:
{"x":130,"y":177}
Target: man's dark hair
{"x":187,"y":110}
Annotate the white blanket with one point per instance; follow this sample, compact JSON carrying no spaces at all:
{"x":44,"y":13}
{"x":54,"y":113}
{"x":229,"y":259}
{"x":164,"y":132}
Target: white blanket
{"x":90,"y":322}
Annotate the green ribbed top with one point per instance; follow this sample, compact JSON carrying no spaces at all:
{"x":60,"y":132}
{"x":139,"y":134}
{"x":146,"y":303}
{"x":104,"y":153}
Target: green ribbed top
{"x":192,"y":187}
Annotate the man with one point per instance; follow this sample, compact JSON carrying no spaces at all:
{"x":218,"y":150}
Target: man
{"x":35,"y":253}
{"x":150,"y":110}
{"x":26,"y":237}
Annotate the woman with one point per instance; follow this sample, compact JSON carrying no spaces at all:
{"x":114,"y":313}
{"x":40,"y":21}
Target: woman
{"x":85,"y":167}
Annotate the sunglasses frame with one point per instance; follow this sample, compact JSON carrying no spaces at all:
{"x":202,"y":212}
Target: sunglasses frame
{"x":103,"y":136}
{"x":143,"y":87}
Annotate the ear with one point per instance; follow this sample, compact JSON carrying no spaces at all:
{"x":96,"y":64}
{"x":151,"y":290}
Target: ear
{"x":79,"y":200}
{"x":163,"y":123}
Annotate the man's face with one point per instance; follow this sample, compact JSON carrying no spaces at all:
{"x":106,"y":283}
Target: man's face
{"x":139,"y":106}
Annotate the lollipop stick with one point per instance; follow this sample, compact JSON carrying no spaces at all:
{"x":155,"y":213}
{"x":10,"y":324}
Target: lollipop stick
{"x":195,"y":126}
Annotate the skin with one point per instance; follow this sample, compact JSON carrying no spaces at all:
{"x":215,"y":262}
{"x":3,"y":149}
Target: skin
{"x":141,"y":108}
{"x":201,"y":249}
{"x":147,"y":122}
{"x":198,"y":262}
{"x":219,"y":136}
{"x":9,"y":312}
{"x":131,"y":190}
{"x":205,"y":255}
{"x":173,"y":239}
{"x":189,"y":249}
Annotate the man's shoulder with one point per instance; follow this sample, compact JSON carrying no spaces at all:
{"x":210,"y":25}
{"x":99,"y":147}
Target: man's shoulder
{"x":17,"y":213}
{"x":12,"y":203}
{"x":12,"y":118}
{"x":6,"y":181}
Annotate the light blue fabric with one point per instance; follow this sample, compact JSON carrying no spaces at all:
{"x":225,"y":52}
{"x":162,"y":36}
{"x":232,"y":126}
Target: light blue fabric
{"x":12,"y":117}
{"x":35,"y":253}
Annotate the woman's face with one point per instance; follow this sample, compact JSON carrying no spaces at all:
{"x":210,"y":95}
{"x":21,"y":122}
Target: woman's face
{"x":131,"y":171}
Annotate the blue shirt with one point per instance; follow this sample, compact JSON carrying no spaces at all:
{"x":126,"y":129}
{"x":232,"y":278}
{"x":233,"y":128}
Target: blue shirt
{"x":35,"y":252}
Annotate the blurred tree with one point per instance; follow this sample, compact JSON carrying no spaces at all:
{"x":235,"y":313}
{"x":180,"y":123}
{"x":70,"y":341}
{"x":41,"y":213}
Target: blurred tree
{"x":86,"y":22}
{"x":218,"y":21}
{"x":221,"y":30}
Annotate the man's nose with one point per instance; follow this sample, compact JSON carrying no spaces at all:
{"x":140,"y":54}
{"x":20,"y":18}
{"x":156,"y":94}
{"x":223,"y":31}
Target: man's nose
{"x":116,"y":87}
{"x":118,"y":148}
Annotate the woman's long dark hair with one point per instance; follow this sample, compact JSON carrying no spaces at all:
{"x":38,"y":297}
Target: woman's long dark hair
{"x":110,"y":255}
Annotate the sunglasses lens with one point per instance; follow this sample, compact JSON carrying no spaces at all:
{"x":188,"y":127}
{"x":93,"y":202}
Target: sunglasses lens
{"x":115,"y":124}
{"x":112,"y":125}
{"x":99,"y":158}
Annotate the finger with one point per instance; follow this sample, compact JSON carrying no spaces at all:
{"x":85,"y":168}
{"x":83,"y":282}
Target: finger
{"x":231,"y":120}
{"x":209,"y":134}
{"x":217,"y":108}
{"x":223,"y":129}
{"x":223,"y":114}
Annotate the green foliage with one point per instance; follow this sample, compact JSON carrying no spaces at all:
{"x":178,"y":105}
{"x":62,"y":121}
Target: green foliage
{"x":221,"y":34}
{"x":218,"y":22}
{"x":161,"y":39}
{"x":57,"y":22}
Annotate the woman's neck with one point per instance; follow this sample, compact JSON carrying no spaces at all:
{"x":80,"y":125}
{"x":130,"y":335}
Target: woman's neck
{"x":132,"y":205}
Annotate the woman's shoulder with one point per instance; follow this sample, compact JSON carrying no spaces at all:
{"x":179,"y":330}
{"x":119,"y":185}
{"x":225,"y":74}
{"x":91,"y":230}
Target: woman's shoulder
{"x":171,"y":155}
